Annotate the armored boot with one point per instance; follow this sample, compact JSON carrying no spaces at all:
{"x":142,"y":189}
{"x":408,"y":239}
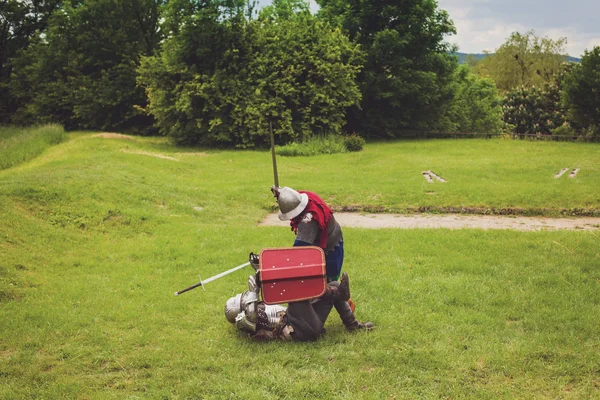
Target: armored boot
{"x":344,"y":308}
{"x":348,"y":318}
{"x":338,"y":291}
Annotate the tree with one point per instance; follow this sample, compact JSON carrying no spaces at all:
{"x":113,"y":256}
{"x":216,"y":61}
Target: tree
{"x":407,"y":78}
{"x":524,"y":60}
{"x":285,"y":69}
{"x":20,"y":23}
{"x":185,"y":97}
{"x":581,"y":93}
{"x":471,"y":60}
{"x":476,"y":106}
{"x":304,"y":72}
{"x":81,"y":72}
{"x":538,"y":110}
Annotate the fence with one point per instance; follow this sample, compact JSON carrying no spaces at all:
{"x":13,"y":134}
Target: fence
{"x":522,"y":136}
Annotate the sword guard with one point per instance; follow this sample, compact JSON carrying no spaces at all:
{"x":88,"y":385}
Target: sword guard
{"x":202,"y":283}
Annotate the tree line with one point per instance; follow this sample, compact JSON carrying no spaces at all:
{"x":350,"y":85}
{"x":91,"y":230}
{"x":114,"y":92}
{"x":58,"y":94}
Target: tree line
{"x":224,"y":73}
{"x":542,"y":92}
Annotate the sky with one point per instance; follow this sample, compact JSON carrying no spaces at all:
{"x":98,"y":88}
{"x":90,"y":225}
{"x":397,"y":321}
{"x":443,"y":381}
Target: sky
{"x":486,"y":24}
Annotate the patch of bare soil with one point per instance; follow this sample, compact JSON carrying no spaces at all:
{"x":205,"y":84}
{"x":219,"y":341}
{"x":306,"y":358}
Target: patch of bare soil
{"x":112,"y":135}
{"x":453,"y":221}
{"x":6,"y":354}
{"x":194,"y":154}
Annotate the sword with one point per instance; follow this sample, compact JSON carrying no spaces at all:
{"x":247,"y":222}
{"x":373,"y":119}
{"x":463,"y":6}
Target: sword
{"x":275,"y":178}
{"x":212,"y":278}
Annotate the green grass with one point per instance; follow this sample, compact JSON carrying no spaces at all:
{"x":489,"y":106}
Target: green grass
{"x":18,"y":145}
{"x":330,"y":144}
{"x":97,"y":234}
{"x":493,"y":176}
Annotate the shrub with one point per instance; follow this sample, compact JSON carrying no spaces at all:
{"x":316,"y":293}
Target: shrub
{"x":225,"y":81}
{"x":564,"y":130}
{"x":533,"y":110}
{"x":354,"y":142}
{"x":311,"y":147}
{"x":581,"y":95}
{"x":476,"y":105}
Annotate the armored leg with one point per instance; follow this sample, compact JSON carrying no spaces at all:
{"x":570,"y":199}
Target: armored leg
{"x":335,"y":291}
{"x":348,"y":318}
{"x":338,"y":290}
{"x":343,"y":308}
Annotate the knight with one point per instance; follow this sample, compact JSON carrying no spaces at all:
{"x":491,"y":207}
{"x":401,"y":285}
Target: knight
{"x":300,"y":321}
{"x":314,"y":224}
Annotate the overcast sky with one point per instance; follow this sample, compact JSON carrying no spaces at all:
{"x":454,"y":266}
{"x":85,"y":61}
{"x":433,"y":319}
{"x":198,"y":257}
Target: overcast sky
{"x":486,"y":24}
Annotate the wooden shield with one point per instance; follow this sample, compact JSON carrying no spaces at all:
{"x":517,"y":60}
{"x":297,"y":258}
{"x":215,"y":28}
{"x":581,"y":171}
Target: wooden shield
{"x":292,"y":274}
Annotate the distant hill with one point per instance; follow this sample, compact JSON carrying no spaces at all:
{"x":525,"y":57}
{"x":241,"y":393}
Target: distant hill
{"x":462,"y":57}
{"x":573,"y":59}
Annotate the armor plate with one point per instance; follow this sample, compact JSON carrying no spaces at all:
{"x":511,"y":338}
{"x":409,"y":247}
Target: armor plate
{"x":292,"y":274}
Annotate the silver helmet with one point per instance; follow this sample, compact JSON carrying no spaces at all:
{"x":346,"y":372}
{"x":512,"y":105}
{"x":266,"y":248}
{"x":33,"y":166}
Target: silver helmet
{"x":233,"y":308}
{"x":291,"y":203}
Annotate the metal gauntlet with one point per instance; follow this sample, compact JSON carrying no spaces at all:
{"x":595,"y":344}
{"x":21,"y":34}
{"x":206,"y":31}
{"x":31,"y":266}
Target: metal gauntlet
{"x":254,"y":261}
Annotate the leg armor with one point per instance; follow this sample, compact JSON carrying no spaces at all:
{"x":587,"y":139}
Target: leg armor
{"x":345,"y":310}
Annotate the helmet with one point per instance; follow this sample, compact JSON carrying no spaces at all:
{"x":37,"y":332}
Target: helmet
{"x":233,"y":308}
{"x":291,"y":203}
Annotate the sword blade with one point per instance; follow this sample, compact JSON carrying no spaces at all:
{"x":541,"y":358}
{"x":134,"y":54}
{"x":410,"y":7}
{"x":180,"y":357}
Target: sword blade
{"x":212,"y":278}
{"x":222,"y":274}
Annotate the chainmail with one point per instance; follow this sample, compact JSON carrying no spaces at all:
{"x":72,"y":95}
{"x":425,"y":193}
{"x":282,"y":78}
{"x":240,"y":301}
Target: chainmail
{"x":309,"y":232}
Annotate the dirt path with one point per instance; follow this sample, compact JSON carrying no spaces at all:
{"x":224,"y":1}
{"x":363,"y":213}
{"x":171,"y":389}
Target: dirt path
{"x":453,"y":221}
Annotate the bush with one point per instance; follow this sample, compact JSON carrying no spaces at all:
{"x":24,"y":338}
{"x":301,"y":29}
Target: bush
{"x":581,"y":95}
{"x":533,"y":110}
{"x":476,"y":105}
{"x":286,"y":69}
{"x":316,"y":145}
{"x":564,"y":130}
{"x":18,"y":145}
{"x":354,"y":142}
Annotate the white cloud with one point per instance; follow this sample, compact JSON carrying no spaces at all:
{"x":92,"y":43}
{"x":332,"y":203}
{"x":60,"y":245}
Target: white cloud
{"x":485,"y":25}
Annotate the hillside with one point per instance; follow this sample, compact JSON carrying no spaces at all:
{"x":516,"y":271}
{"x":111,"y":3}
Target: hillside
{"x":462,"y":57}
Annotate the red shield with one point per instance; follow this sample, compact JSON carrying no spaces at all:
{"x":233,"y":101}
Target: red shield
{"x":292,"y":274}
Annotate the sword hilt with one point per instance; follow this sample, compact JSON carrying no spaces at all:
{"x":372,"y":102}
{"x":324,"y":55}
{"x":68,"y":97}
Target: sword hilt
{"x":187,"y":289}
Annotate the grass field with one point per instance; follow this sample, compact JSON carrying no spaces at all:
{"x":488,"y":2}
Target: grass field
{"x":18,"y":145}
{"x":96,"y":234}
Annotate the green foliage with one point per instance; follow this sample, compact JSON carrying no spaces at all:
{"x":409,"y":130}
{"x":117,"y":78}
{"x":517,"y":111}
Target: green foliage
{"x":471,"y":60}
{"x":476,"y":106}
{"x":581,"y":94}
{"x":564,"y":130}
{"x":533,"y":110}
{"x":354,"y":142}
{"x":536,"y":110}
{"x":286,"y":70}
{"x":407,"y":78}
{"x":82,"y":71}
{"x":320,"y":144}
{"x":18,"y":145}
{"x":524,"y":60}
{"x":20,"y":23}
